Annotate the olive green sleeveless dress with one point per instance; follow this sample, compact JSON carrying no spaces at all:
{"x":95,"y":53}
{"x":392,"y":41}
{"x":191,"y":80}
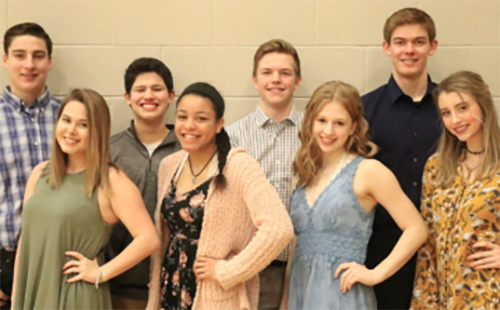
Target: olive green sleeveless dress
{"x":56,"y":221}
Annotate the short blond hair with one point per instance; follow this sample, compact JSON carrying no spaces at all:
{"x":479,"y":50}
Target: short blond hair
{"x":276,"y":46}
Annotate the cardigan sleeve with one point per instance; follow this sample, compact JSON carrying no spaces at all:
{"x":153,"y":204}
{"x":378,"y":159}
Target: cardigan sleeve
{"x":426,"y":290}
{"x":268,"y":214}
{"x":163,"y":233}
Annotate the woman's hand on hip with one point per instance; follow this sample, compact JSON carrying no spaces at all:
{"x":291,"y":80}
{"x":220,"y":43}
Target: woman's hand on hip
{"x":204,"y":268}
{"x":84,"y":269}
{"x":354,"y":273}
{"x":489,"y":258}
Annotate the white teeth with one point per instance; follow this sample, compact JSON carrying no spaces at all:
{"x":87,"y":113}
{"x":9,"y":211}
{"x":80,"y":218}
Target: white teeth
{"x":149,"y":106}
{"x":189,"y":136}
{"x":461,"y":128}
{"x":70,"y":140}
{"x":327,"y":140}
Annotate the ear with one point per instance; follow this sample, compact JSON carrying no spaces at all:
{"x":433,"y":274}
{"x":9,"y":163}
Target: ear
{"x":4,"y":61}
{"x":127,"y":99}
{"x":254,"y":81}
{"x":171,"y":97}
{"x":385,"y":47}
{"x":50,"y":63}
{"x":434,"y":46}
{"x":297,"y":82}
{"x":219,"y":125}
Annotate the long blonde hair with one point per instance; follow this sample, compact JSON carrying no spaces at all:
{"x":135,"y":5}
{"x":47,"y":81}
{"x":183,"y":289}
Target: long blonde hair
{"x":450,"y":148}
{"x":308,"y":158}
{"x":98,"y":160}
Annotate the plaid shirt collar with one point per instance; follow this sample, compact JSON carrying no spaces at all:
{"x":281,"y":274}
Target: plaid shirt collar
{"x":262,"y":119}
{"x":19,"y":105}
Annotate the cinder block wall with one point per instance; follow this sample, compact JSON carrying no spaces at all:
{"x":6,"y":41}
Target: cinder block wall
{"x":214,"y":41}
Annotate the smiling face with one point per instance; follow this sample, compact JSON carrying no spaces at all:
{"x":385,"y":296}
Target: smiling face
{"x":332,"y":127}
{"x":149,"y":98}
{"x":72,"y":130}
{"x":196,"y":124}
{"x":28,"y":63}
{"x":409,"y":49}
{"x":461,"y":116}
{"x":275,"y":80}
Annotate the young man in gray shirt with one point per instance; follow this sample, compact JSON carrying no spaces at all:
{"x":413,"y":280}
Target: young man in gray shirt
{"x":138,"y":151}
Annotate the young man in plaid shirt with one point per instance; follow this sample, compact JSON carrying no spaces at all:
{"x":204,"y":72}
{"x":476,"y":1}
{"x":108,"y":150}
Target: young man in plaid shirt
{"x":270,"y":135}
{"x":27,"y":120}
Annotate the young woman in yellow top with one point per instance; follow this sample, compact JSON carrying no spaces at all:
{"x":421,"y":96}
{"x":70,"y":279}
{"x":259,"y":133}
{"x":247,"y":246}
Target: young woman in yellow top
{"x":458,"y":266}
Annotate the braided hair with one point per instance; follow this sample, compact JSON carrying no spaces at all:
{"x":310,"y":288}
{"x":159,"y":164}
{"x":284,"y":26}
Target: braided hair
{"x":222,"y":138}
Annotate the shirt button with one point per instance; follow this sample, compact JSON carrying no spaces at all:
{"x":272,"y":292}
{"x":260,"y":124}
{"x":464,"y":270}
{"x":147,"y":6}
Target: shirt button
{"x":415,"y":160}
{"x":277,"y":162}
{"x":415,"y":184}
{"x":36,"y":143}
{"x":33,"y":119}
{"x":415,"y":134}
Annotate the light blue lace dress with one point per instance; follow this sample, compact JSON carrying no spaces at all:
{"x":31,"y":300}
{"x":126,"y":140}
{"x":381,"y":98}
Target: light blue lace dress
{"x":335,"y":230}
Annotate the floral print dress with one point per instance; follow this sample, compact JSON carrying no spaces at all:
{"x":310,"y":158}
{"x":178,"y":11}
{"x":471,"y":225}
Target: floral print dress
{"x":457,"y":217}
{"x":184,"y":216}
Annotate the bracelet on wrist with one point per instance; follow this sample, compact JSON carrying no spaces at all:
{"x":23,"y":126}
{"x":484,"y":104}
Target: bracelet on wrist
{"x":98,"y":279}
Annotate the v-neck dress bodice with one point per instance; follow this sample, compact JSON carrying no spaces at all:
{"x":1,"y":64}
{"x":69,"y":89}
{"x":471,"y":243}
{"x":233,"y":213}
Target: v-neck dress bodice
{"x":335,"y":230}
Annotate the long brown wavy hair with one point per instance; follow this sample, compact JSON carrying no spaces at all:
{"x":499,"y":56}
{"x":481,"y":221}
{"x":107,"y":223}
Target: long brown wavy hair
{"x":450,"y":148}
{"x":98,"y":159}
{"x":308,"y":159}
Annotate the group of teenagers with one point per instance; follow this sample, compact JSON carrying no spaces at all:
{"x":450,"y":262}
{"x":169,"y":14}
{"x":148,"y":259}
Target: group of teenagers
{"x":280,"y":210}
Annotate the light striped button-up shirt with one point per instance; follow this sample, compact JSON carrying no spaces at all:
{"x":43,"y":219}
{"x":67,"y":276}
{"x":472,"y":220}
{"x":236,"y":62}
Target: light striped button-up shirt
{"x":26,"y":135}
{"x":274,"y":146}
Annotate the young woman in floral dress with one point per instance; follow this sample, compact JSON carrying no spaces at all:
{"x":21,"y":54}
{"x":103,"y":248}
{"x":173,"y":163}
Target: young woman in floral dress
{"x":458,"y":267}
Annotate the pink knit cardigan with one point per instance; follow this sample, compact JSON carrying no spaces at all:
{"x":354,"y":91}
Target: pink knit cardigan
{"x":245,"y":225}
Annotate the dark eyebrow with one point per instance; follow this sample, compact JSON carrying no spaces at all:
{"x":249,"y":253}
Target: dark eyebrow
{"x":154,"y":85}
{"x":34,"y":52}
{"x":197,"y":112}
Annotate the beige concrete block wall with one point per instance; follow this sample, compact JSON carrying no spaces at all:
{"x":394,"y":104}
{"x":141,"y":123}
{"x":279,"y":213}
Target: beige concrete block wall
{"x":214,"y":41}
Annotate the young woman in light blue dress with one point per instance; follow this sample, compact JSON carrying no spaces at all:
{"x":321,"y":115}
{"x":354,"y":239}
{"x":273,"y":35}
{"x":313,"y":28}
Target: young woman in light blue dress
{"x":332,"y":208}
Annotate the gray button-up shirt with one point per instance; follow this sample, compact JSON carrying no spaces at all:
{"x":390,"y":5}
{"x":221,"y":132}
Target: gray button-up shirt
{"x":274,"y":146}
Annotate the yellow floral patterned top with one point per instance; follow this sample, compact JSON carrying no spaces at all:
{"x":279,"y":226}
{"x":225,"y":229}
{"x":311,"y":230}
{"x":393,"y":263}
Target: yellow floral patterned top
{"x":457,"y":216}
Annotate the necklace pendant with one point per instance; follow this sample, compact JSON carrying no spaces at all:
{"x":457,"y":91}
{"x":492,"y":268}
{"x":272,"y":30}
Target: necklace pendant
{"x":193,"y":180}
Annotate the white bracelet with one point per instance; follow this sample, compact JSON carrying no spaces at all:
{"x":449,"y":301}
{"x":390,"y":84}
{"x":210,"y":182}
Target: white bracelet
{"x":98,"y":279}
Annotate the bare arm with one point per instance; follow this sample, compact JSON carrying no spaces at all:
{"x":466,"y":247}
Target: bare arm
{"x":388,"y":193}
{"x":127,"y":204}
{"x":28,"y":192}
{"x":284,"y":296}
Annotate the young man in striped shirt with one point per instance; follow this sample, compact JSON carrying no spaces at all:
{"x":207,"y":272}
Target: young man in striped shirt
{"x":27,"y":120}
{"x":270,"y":135}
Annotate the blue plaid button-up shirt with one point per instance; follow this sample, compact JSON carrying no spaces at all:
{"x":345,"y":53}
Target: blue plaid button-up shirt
{"x":26,"y":135}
